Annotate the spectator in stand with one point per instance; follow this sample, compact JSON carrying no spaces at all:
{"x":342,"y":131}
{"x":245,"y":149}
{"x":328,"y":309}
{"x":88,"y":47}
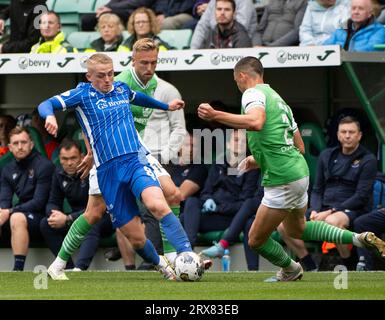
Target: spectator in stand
{"x":228,"y":33}
{"x":143,"y":24}
{"x":173,"y":14}
{"x":122,"y":8}
{"x":66,"y":184}
{"x":362,"y":31}
{"x":223,"y":194}
{"x":322,"y":18}
{"x":199,"y":8}
{"x":51,"y":145}
{"x":24,"y":25}
{"x":28,"y":176}
{"x":111,"y":31}
{"x":52,"y":39}
{"x":279,"y":25}
{"x":245,"y":14}
{"x":7,"y":123}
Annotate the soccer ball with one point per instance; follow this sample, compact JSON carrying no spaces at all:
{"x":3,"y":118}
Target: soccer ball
{"x":189,"y":266}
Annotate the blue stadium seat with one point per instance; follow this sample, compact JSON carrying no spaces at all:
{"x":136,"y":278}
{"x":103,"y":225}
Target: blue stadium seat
{"x":100,"y":3}
{"x":82,"y":39}
{"x":180,"y":39}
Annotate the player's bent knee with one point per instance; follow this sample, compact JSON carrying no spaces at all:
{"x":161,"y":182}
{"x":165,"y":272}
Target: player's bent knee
{"x":175,"y":198}
{"x":158,"y":208}
{"x":18,"y":220}
{"x":137,"y":243}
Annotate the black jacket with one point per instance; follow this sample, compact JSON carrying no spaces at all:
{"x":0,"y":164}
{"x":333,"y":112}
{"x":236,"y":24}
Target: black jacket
{"x":351,"y":187}
{"x":236,"y":37}
{"x":23,"y":33}
{"x":69,"y":187}
{"x":173,"y":7}
{"x":126,"y":7}
{"x":98,"y":45}
{"x":229,"y":191}
{"x":30,"y":180}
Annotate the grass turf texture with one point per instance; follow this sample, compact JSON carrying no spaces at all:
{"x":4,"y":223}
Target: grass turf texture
{"x":213,"y":286}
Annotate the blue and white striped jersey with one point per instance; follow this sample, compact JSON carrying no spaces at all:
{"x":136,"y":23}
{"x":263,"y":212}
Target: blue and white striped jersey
{"x":106,"y":118}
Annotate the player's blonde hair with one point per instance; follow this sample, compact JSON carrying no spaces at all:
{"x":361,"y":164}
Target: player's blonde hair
{"x":145,"y":44}
{"x":98,"y":58}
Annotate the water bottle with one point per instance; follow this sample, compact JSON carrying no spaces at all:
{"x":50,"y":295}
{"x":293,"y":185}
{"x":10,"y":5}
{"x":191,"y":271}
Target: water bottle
{"x":361,"y":266}
{"x":226,"y":261}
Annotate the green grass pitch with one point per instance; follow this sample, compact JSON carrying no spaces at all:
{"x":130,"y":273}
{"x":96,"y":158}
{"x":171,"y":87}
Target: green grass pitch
{"x":213,"y":286}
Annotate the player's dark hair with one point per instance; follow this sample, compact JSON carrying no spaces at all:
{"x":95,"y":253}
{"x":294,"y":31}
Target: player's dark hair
{"x":249,"y":65}
{"x":350,"y":119}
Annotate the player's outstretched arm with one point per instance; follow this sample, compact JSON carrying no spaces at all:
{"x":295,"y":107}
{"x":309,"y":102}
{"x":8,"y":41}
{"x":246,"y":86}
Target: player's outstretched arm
{"x":143,"y":100}
{"x":253,"y":120}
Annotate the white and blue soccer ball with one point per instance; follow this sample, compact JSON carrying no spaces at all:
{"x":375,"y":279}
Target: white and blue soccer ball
{"x":189,"y":266}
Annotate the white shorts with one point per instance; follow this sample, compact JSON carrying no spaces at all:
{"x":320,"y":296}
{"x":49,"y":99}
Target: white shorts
{"x":156,"y":166}
{"x":287,"y":196}
{"x":154,"y":163}
{"x":93,"y":183}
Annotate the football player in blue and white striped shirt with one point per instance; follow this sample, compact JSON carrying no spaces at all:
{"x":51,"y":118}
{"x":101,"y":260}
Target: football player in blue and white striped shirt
{"x":102,"y":108}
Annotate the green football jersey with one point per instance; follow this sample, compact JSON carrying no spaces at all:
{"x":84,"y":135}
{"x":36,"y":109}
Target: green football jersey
{"x":141,"y":115}
{"x":273,"y":147}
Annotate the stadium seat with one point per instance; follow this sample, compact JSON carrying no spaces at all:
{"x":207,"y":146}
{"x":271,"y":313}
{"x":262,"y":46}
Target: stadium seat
{"x":5,"y":159}
{"x":50,"y":4}
{"x":68,"y":126}
{"x":314,"y":141}
{"x":82,"y":39}
{"x":86,"y":6}
{"x":100,"y":3}
{"x":379,"y":47}
{"x":37,"y":141}
{"x":77,"y":136}
{"x":209,"y":237}
{"x":179,"y":39}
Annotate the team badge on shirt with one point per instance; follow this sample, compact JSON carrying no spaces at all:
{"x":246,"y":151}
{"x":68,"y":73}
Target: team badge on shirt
{"x":356,"y":163}
{"x":31,"y":173}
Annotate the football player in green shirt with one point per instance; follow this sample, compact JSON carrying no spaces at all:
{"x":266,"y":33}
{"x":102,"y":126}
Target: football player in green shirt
{"x":274,"y":142}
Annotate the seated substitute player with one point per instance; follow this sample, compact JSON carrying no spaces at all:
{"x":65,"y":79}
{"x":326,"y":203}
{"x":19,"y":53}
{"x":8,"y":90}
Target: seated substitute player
{"x":271,"y":135}
{"x":123,"y":172}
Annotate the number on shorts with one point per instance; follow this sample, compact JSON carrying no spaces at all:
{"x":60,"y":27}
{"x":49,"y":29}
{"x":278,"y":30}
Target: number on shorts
{"x":149,"y":172}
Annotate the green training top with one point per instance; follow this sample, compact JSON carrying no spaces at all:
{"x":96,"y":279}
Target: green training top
{"x":141,"y":115}
{"x":273,"y":147}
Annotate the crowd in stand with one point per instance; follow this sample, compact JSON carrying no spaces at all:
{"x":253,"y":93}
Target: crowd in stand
{"x":355,"y":25}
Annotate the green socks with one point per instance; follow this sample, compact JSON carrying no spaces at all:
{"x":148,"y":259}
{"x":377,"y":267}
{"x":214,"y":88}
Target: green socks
{"x":272,"y":251}
{"x":321,"y":231}
{"x":74,"y":237}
